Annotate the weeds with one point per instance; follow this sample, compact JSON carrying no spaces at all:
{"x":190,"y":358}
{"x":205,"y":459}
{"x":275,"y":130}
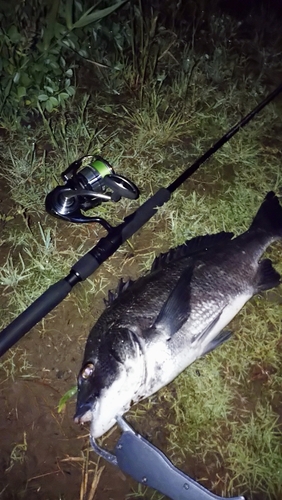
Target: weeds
{"x":156,"y":127}
{"x":27,"y":169}
{"x":39,"y":46}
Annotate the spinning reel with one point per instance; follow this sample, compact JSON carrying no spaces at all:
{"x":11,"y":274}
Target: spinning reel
{"x":89,"y":182}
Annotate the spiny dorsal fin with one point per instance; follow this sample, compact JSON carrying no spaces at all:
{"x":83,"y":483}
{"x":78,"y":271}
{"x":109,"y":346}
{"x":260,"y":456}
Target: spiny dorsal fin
{"x":114,"y":294}
{"x":190,"y":247}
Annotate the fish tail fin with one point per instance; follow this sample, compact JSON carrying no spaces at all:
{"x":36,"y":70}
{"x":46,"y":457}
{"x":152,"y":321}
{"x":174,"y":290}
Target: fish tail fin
{"x":269,"y":217}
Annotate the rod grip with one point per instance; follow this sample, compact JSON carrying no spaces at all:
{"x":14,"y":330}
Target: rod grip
{"x":33,"y":314}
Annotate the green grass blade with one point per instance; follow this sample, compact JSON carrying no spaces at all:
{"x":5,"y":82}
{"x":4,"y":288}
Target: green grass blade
{"x":65,"y":398}
{"x":90,"y":17}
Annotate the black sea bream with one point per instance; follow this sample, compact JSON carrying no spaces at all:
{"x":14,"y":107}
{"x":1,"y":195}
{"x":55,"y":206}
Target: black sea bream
{"x":155,"y":327}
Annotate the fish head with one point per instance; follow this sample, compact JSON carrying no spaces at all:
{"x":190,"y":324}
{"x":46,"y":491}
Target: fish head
{"x":110,"y":379}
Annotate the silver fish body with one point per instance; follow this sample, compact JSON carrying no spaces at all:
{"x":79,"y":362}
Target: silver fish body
{"x":155,"y":327}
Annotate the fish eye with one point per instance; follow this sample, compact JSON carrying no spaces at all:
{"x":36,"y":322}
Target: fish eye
{"x":87,"y":371}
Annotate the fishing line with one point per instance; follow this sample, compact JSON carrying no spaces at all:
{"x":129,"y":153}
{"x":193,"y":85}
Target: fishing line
{"x":190,"y":170}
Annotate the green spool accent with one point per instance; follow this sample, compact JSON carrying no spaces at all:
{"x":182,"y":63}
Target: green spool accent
{"x":101,"y":167}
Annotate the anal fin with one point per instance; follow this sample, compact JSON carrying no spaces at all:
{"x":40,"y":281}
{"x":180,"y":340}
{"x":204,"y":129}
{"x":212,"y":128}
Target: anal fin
{"x":267,"y":277}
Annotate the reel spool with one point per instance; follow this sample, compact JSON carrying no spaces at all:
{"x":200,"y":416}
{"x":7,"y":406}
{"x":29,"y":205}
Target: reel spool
{"x":89,"y":181}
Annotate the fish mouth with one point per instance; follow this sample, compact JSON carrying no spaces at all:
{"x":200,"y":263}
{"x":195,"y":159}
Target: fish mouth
{"x":81,"y":417}
{"x":86,"y":402}
{"x":84,"y":412}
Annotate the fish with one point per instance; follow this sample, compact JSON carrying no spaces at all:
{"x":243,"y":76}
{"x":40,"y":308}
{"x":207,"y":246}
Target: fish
{"x":156,"y":326}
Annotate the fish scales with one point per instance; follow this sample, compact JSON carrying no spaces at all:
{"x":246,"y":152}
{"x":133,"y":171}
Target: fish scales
{"x":155,"y":327}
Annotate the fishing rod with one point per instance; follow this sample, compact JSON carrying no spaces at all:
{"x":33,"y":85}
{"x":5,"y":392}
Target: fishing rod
{"x":78,"y":190}
{"x":88,"y":182}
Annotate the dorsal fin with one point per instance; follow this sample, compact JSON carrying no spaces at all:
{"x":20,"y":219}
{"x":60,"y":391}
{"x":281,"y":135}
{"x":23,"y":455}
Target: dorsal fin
{"x":190,"y":247}
{"x":114,"y":294}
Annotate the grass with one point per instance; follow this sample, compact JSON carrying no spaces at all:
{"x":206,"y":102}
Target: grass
{"x":225,"y":410}
{"x":254,"y":452}
{"x":18,"y":364}
{"x":38,"y":264}
{"x":198,"y":411}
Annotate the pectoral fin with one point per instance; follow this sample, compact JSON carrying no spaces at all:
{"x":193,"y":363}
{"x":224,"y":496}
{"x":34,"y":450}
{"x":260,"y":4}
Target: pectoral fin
{"x":217,"y":341}
{"x":201,"y":337}
{"x":176,"y":310}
